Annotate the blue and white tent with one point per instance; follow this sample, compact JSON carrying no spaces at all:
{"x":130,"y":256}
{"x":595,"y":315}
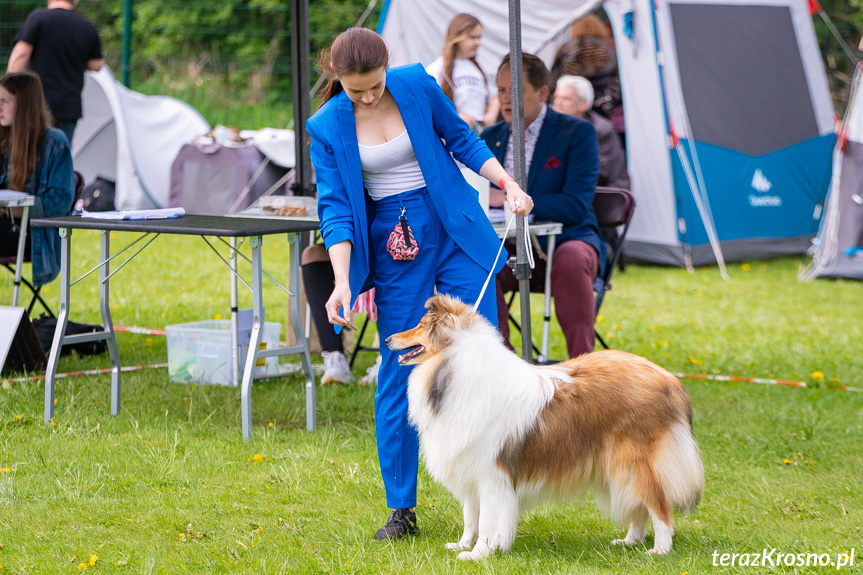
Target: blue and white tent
{"x":728,"y":114}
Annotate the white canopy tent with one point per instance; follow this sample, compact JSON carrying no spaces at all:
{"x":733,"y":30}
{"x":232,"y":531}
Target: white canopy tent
{"x":132,"y":139}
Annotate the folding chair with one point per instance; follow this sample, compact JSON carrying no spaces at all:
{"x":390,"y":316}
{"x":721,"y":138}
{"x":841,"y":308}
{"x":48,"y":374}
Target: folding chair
{"x":358,"y":342}
{"x":9,"y":262}
{"x":614,"y":208}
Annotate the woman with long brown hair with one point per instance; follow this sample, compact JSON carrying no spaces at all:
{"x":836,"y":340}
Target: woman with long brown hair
{"x":397,"y":215}
{"x":37,"y":160}
{"x":460,"y":76}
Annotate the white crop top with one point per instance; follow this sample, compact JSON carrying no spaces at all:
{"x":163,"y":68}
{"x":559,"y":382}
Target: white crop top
{"x":390,"y":168}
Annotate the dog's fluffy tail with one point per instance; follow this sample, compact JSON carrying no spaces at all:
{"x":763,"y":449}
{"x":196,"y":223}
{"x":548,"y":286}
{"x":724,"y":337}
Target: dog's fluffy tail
{"x":677,"y":465}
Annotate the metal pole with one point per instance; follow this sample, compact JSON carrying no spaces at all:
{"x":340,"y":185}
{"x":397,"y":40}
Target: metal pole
{"x":302,"y":102}
{"x":522,"y":269}
{"x":127,"y":41}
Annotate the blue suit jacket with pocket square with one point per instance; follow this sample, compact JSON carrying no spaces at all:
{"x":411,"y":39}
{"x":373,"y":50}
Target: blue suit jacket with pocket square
{"x":563,"y":174}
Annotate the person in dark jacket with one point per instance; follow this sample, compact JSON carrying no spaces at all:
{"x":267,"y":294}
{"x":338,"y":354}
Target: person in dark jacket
{"x":562,"y":157}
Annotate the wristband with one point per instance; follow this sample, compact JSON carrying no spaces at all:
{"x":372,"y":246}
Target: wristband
{"x":503,"y":181}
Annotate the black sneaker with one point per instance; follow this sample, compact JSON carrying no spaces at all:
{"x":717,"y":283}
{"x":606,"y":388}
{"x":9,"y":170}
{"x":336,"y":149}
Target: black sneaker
{"x":401,"y":522}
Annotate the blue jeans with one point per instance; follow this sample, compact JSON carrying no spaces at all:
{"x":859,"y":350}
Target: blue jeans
{"x":401,"y":290}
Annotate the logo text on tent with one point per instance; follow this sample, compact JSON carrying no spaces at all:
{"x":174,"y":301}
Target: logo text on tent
{"x":761,"y":184}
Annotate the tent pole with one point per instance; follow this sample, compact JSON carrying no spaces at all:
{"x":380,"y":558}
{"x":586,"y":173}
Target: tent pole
{"x":302,"y":102}
{"x":127,"y":40}
{"x":522,"y":269}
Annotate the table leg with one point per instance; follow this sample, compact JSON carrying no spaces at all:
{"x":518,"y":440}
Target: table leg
{"x":107,"y":323}
{"x":22,"y":242}
{"x":256,"y":337}
{"x":305,"y":360}
{"x":546,"y":318}
{"x":62,"y":320}
{"x":235,"y":348}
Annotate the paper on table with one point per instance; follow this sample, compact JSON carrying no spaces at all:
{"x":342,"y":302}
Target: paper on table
{"x":154,"y":214}
{"x":12,"y":195}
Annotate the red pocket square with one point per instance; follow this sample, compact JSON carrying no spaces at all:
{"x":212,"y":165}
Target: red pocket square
{"x":552,"y":162}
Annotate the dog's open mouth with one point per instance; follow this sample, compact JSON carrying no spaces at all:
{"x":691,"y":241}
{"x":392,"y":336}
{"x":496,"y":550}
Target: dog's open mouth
{"x":415,"y":352}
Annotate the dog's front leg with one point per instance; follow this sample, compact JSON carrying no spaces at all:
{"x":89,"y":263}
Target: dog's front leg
{"x":470,"y":510}
{"x":498,"y":521}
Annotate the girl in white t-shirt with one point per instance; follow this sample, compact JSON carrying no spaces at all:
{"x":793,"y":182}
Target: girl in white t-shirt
{"x":460,"y":76}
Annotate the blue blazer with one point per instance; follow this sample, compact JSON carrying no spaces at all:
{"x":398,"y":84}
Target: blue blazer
{"x":562,"y":177}
{"x":437,"y":134}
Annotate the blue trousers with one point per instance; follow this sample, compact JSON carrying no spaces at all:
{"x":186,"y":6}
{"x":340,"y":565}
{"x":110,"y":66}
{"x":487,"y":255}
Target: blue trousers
{"x":401,"y":289}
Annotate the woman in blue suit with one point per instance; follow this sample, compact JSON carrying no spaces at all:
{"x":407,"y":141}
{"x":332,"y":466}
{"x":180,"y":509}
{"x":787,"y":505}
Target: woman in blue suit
{"x":382,"y":144}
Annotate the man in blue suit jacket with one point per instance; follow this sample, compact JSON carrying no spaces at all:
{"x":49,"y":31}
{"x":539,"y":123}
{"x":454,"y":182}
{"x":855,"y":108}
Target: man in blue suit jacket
{"x":562,"y":156}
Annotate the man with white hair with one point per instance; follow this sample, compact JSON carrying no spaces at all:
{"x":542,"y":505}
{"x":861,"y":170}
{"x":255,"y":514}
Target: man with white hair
{"x":573,"y":95}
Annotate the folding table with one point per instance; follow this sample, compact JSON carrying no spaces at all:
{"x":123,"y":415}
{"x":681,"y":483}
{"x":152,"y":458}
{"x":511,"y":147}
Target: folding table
{"x":537,"y":229}
{"x":221,"y":226}
{"x":24,"y":202}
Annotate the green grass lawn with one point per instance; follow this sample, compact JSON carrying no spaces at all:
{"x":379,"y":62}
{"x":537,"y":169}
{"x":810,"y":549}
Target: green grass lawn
{"x":171,"y":486}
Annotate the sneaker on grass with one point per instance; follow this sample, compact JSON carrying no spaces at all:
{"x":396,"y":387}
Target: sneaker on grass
{"x":336,"y":368}
{"x":371,"y":376}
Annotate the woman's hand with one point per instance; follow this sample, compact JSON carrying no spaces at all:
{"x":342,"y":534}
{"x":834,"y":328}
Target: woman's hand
{"x":519,"y":202}
{"x":340,"y":299}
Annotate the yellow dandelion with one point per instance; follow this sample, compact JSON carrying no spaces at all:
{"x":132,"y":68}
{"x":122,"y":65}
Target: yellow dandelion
{"x":834,"y":379}
{"x":847,"y":356}
{"x":600,"y":318}
{"x":746,"y":267}
{"x":82,"y":566}
{"x":17,"y":416}
{"x":93,"y":559}
{"x":271,"y":425}
{"x":663,"y":343}
{"x":4,"y":470}
{"x":149,"y":341}
{"x":817,"y":375}
{"x":615,"y":326}
{"x":695,"y":361}
{"x":654,"y":327}
{"x":181,"y":537}
{"x":116,"y":306}
{"x":217,"y":316}
{"x":258,"y":457}
{"x":786,"y":461}
{"x":260,"y":527}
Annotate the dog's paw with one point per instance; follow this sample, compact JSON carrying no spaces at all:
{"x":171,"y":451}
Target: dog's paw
{"x":629,"y":542}
{"x":458,"y":545}
{"x":657,"y":551}
{"x":470,"y":556}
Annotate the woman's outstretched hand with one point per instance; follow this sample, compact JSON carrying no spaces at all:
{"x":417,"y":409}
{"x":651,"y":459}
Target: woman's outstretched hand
{"x":340,"y":299}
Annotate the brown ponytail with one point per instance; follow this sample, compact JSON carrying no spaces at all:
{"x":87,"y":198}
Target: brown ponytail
{"x":354,"y":51}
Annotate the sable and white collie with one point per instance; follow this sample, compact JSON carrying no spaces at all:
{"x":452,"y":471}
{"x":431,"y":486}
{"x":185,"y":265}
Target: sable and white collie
{"x":502,"y":434}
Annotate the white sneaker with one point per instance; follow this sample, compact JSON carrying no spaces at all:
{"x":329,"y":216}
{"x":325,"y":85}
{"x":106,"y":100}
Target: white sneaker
{"x":336,"y":368}
{"x":371,"y":376}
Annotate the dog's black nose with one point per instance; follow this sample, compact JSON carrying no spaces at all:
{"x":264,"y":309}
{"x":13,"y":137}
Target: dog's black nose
{"x":387,"y":340}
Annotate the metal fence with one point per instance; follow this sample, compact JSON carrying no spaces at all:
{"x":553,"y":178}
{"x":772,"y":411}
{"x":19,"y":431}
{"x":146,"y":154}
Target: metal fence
{"x":243,"y":47}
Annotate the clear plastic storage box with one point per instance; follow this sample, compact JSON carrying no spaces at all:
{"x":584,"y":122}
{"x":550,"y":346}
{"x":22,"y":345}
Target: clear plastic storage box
{"x":200,"y":352}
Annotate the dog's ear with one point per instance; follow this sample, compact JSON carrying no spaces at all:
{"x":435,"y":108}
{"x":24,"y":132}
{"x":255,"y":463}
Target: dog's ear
{"x":446,"y":314}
